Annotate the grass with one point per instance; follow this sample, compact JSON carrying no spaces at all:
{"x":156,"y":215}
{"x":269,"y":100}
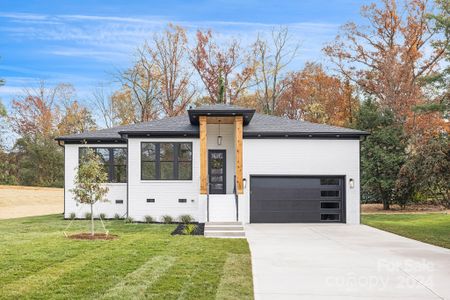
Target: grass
{"x":145,"y":262}
{"x":431,"y":228}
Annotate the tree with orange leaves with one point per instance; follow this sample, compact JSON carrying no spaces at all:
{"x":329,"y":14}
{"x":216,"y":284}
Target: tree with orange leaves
{"x":387,"y":57}
{"x":315,"y":96}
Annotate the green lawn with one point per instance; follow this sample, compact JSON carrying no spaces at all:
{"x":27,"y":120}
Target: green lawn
{"x":429,"y":228}
{"x":146,"y":262}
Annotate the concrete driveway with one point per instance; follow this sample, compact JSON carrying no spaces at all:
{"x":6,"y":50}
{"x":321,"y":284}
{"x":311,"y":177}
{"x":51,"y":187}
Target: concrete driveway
{"x":325,"y":261}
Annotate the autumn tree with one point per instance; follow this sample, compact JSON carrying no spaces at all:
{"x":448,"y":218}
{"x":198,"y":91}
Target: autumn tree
{"x":312,"y":95}
{"x":227,"y":65}
{"x":387,"y":57}
{"x":38,"y":116}
{"x":272,"y":57}
{"x":36,"y":112}
{"x":76,"y":119}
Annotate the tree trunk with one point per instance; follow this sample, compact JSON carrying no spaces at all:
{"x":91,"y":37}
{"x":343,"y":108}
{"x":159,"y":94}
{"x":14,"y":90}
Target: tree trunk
{"x":386,"y":204}
{"x":92,"y":219}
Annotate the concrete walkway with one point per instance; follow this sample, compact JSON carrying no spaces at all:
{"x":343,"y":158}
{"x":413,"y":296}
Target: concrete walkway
{"x":325,"y":261}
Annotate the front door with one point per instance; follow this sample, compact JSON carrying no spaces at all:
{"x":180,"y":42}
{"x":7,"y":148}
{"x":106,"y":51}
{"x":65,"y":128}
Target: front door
{"x":217,"y":171}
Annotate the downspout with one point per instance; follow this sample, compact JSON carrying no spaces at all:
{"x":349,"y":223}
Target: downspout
{"x":64,"y":176}
{"x":128,"y":174}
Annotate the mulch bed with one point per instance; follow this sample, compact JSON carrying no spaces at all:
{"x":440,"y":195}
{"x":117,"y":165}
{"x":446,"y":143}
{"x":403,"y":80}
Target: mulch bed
{"x":199,"y":231}
{"x":96,"y":236}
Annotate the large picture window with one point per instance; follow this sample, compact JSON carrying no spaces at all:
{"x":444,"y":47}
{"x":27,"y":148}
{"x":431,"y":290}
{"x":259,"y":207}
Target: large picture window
{"x":166,"y":161}
{"x":114,"y":162}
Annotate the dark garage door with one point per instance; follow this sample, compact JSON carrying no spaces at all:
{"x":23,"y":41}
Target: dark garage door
{"x":292,"y":199}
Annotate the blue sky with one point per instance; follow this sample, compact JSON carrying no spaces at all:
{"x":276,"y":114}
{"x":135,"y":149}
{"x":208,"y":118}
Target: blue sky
{"x":85,"y":42}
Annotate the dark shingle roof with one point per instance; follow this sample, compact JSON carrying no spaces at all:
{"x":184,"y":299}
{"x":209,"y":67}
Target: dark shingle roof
{"x":265,"y":124}
{"x":261,"y":125}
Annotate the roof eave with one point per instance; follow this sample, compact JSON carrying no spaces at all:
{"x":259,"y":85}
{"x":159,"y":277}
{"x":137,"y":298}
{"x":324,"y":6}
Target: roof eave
{"x":91,"y":140}
{"x":246,"y":113}
{"x":146,"y":134}
{"x":306,"y":135}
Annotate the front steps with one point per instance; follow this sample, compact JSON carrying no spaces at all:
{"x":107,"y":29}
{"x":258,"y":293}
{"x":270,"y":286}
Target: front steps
{"x":222,"y":208}
{"x":224,"y":230}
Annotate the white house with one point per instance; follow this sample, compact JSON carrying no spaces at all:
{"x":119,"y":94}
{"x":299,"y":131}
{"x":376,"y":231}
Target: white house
{"x":224,"y":163}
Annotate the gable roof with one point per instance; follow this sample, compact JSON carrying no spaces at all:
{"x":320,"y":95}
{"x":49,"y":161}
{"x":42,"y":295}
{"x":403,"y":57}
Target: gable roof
{"x":261,"y":126}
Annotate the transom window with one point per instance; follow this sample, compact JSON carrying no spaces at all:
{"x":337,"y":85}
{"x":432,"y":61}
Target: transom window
{"x":166,"y":161}
{"x":114,"y":161}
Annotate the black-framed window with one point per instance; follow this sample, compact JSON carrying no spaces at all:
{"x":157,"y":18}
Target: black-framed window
{"x":166,"y":161}
{"x":114,"y":162}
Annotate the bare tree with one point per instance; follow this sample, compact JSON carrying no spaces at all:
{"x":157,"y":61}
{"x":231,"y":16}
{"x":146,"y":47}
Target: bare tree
{"x":169,"y":54}
{"x":226,"y":72}
{"x":141,"y":84}
{"x":103,"y":104}
{"x":272,"y":58}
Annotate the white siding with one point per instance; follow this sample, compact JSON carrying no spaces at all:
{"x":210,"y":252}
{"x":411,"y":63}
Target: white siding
{"x":117,"y":191}
{"x":303,"y":157}
{"x":165,"y":192}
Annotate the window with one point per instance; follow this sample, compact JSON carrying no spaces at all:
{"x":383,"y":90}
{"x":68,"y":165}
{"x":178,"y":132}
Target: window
{"x":114,"y":161}
{"x":329,"y":181}
{"x":329,"y":193}
{"x":166,"y":161}
{"x":330,"y":205}
{"x":330,"y":217}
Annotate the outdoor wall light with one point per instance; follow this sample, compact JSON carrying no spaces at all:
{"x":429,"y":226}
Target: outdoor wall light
{"x":351,"y":183}
{"x":245,"y":183}
{"x":219,"y":137}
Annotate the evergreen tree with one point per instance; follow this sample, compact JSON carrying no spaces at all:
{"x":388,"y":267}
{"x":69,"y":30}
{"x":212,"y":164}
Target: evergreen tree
{"x":382,"y":152}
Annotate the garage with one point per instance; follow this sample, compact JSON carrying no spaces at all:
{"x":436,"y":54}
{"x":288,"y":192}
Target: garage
{"x":297,"y":199}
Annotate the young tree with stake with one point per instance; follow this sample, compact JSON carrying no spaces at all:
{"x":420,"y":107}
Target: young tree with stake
{"x":88,"y":182}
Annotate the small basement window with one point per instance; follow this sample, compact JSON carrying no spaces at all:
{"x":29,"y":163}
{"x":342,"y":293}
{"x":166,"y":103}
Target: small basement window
{"x":330,"y":217}
{"x":182,"y":200}
{"x":329,"y":193}
{"x":151,"y":200}
{"x":330,"y":205}
{"x":119,"y":201}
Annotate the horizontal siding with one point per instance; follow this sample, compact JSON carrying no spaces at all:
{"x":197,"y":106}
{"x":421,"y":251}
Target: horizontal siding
{"x":117,"y":191}
{"x":304,"y":157}
{"x":165,"y":193}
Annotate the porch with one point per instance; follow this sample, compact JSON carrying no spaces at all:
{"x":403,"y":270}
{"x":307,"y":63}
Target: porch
{"x":221,"y":166}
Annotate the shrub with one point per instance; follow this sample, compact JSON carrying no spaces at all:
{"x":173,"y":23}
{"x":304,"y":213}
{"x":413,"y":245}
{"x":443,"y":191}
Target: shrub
{"x":102,"y":216}
{"x":87,"y":216}
{"x":166,"y":219}
{"x":148,"y":219}
{"x":72,"y":215}
{"x":129,"y":220}
{"x":186,"y":219}
{"x":117,"y":217}
{"x":189,"y":229}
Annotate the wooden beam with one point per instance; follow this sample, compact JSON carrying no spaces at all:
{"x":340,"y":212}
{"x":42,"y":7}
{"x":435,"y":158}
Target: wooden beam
{"x":203,"y":156}
{"x":238,"y":123}
{"x":221,"y":120}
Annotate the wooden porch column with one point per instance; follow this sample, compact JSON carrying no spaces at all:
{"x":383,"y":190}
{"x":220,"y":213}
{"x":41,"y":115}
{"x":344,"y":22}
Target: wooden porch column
{"x":203,"y":156}
{"x":238,"y":123}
